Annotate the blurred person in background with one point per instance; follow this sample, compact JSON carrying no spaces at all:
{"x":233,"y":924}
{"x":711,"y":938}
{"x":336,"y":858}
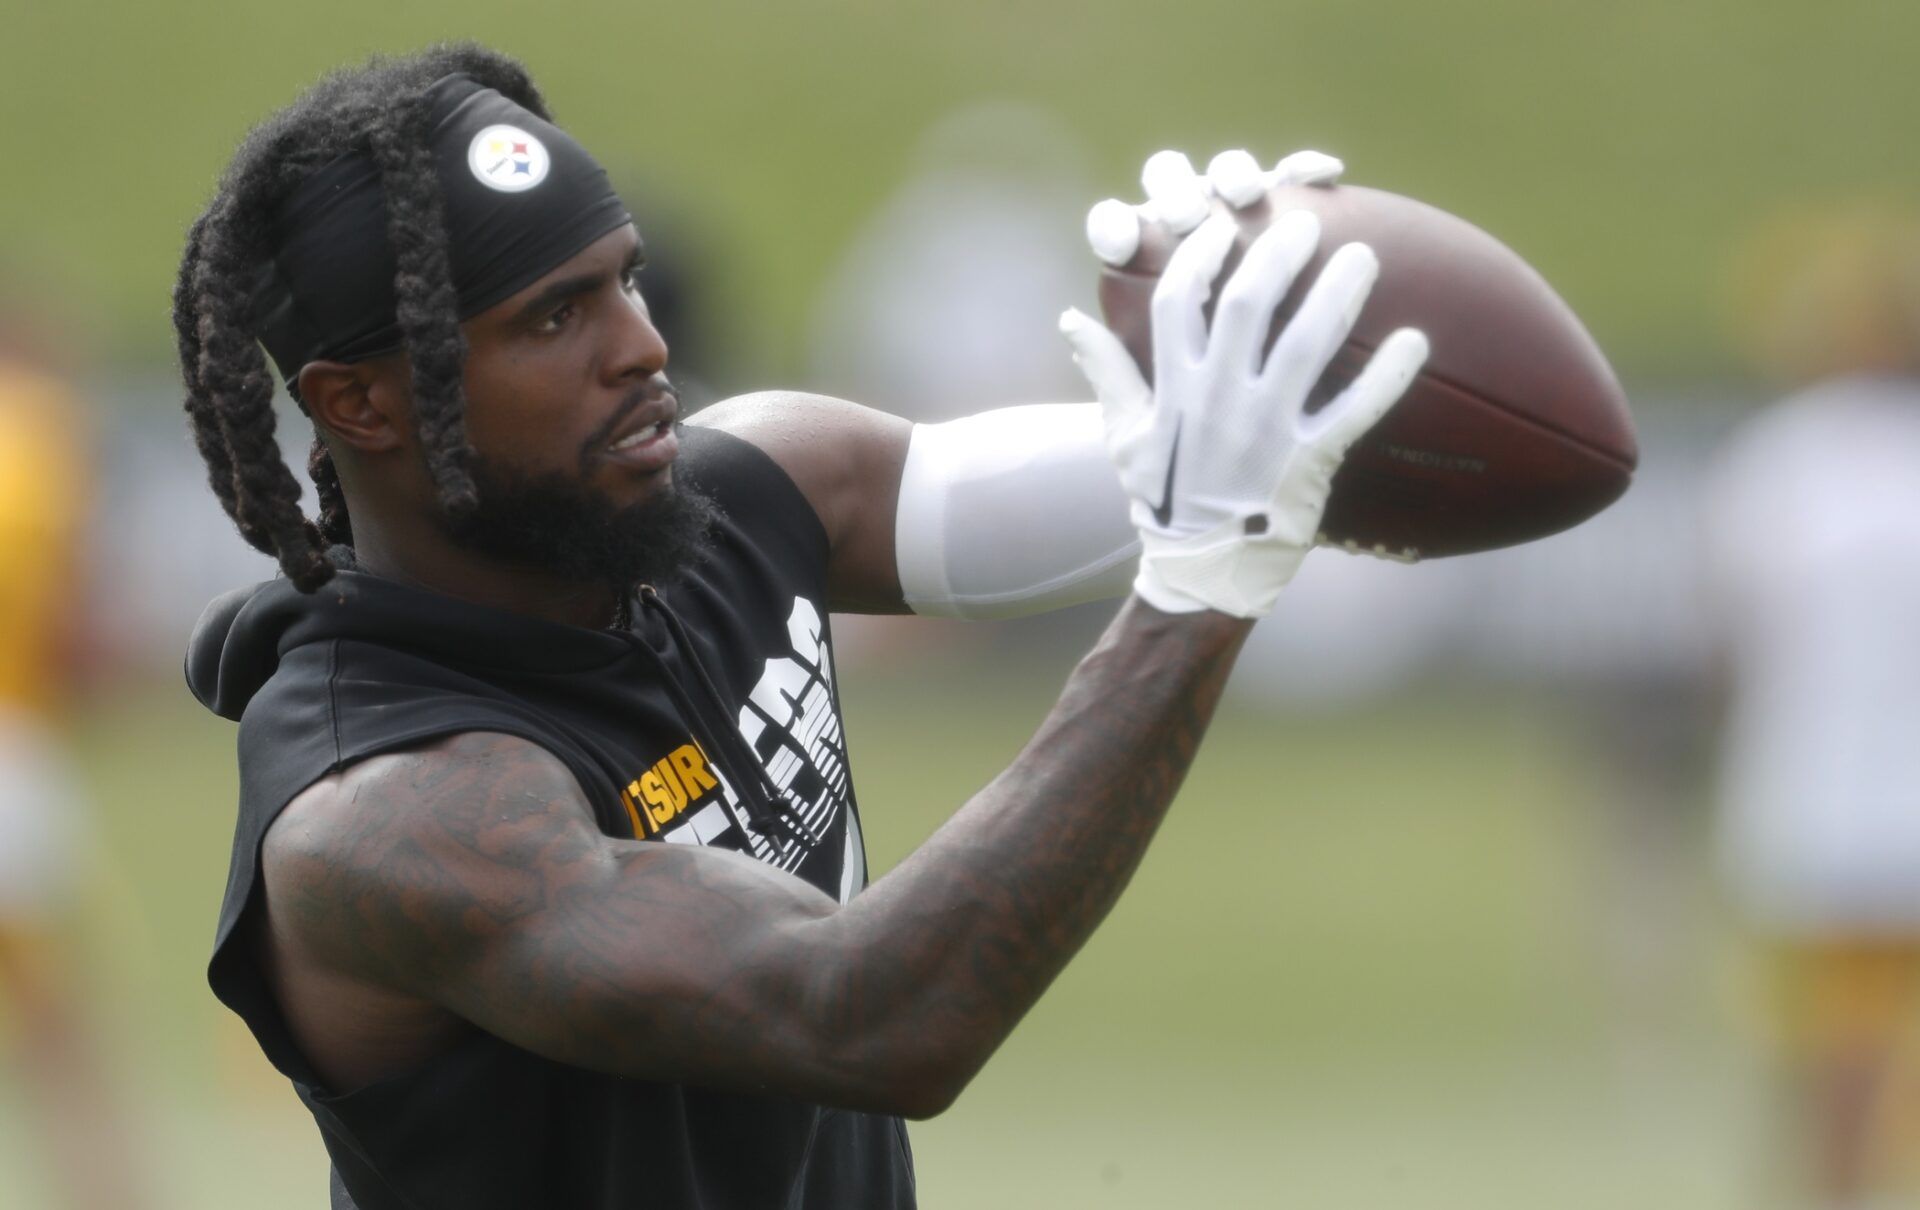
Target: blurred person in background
{"x":1813,"y":539}
{"x":947,"y":295}
{"x":44,"y":1019}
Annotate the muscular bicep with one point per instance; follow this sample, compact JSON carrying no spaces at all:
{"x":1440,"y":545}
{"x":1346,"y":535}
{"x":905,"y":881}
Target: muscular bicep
{"x":470,"y":874}
{"x":846,"y":460}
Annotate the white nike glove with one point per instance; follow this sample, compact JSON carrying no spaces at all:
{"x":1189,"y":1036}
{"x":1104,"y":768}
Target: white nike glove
{"x":1226,"y":473}
{"x":1180,"y":198}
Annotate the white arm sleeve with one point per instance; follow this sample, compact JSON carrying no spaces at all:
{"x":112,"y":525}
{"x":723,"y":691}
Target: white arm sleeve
{"x":1012,"y":512}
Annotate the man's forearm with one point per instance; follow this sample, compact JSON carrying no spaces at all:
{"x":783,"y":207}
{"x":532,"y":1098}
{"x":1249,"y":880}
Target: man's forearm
{"x":944,"y":955}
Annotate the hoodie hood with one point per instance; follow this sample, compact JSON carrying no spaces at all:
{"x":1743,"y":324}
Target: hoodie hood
{"x":242,"y":637}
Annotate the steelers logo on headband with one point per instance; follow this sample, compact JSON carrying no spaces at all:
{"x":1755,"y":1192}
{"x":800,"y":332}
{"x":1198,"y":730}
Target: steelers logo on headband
{"x":507,"y":158}
{"x":521,"y":196}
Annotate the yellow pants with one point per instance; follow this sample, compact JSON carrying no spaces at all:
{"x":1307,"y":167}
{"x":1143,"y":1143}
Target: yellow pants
{"x":1844,"y":994}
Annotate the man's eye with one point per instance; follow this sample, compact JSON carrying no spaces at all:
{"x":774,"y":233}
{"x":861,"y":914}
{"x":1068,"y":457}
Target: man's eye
{"x":557,"y":319}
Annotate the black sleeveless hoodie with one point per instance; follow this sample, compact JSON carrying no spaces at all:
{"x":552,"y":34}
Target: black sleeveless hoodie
{"x":714,"y":720}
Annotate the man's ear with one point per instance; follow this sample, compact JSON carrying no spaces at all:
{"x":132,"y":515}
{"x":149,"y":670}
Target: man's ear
{"x":362,"y":404}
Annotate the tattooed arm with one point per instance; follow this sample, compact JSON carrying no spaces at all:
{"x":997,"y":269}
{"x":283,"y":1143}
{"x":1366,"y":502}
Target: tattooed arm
{"x":468,"y":875}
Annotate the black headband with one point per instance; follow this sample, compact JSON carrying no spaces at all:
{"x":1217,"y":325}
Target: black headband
{"x":520,"y":197}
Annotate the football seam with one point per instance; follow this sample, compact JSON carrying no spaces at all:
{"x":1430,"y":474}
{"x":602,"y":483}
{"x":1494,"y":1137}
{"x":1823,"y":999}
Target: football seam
{"x":1629,"y":465}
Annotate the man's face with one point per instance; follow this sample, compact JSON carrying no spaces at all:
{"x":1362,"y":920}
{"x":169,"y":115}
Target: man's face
{"x":572,"y":417}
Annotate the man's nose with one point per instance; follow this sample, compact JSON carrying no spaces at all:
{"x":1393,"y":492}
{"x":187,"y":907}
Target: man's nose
{"x":639,"y":350}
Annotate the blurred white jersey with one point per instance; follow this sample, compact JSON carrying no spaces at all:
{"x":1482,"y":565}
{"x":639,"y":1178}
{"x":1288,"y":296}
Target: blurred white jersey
{"x":1813,"y":533}
{"x":40,"y":822}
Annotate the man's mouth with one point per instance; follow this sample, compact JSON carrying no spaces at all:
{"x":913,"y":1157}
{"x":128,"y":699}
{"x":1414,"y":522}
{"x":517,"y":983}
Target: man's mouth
{"x":643,"y":437}
{"x":640,"y":437}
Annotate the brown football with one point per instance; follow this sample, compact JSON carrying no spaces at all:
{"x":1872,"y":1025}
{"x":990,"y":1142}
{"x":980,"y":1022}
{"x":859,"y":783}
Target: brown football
{"x":1516,"y":427}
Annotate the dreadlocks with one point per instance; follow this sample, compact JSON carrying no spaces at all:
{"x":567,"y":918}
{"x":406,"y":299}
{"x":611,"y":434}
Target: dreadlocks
{"x":377,"y":110}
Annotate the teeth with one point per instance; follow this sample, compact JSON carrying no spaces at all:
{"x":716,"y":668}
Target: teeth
{"x":640,"y":438}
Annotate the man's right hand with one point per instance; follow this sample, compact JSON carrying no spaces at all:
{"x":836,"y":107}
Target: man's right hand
{"x":1227,"y":473}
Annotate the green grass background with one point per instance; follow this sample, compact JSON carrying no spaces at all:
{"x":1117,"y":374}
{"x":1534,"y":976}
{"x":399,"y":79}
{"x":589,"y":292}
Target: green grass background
{"x":1624,"y":147}
{"x":1363,"y":965}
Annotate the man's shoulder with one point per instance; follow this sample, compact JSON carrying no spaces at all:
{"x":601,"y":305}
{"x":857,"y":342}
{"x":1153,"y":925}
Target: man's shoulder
{"x":765,"y":418}
{"x":842,"y":465}
{"x":832,"y":450}
{"x":740,"y":455}
{"x":748,"y":437}
{"x":805,"y":434}
{"x":429,"y":786}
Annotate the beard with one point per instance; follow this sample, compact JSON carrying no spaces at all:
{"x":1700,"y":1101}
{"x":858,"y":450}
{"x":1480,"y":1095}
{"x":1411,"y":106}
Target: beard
{"x":557,"y":524}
